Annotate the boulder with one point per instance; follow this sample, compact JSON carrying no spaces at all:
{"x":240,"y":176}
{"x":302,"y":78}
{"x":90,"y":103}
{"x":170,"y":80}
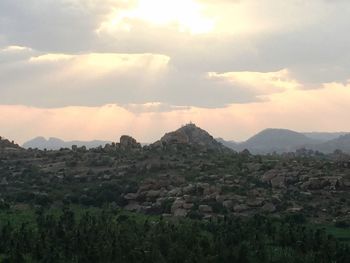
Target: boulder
{"x":131,"y":196}
{"x":127,"y":142}
{"x":240,"y":208}
{"x":205,"y":209}
{"x":174,"y":192}
{"x":188,"y":198}
{"x":133,"y":207}
{"x":255,"y":202}
{"x":228,"y":204}
{"x":153,"y":193}
{"x":315,"y":184}
{"x":188,"y":206}
{"x":294,"y":209}
{"x":177,"y":205}
{"x":188,"y":189}
{"x":268,"y":208}
{"x":180,"y":212}
{"x":269,"y":175}
{"x":278,"y":182}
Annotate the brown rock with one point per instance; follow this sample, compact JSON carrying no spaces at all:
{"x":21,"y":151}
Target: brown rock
{"x":269,"y":175}
{"x":177,"y":205}
{"x":255,"y":203}
{"x":278,"y":182}
{"x":294,"y":209}
{"x":127,"y":142}
{"x":180,"y":212}
{"x":133,"y":207}
{"x":205,"y":209}
{"x":228,"y":204}
{"x":269,"y":208}
{"x":131,"y":196}
{"x":240,"y":208}
{"x":153,"y":193}
{"x":188,"y":206}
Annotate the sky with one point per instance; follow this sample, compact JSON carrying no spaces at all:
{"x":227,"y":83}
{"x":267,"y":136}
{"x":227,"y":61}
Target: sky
{"x":98,"y":69}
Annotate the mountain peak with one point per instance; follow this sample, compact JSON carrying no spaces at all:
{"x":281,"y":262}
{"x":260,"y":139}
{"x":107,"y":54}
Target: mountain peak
{"x":276,"y":140}
{"x":190,"y":134}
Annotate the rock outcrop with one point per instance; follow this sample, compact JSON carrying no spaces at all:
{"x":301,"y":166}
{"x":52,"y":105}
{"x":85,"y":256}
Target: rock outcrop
{"x":191,"y":135}
{"x":128,"y":142}
{"x":6,"y":144}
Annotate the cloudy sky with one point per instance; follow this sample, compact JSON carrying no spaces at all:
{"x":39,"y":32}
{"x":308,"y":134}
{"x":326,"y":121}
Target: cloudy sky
{"x":97,"y":69}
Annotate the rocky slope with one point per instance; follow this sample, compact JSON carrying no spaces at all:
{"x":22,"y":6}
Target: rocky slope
{"x":193,"y":136}
{"x":342,"y":143}
{"x":6,"y":144}
{"x":283,"y":140}
{"x":180,"y":181}
{"x":276,"y":140}
{"x":230,"y":144}
{"x":324,"y":136}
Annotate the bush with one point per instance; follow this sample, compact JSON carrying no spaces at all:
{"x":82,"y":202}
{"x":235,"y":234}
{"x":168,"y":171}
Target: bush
{"x":298,"y":218}
{"x":342,"y":224}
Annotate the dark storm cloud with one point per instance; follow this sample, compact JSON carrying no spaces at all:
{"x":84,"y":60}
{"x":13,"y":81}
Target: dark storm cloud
{"x":54,"y":25}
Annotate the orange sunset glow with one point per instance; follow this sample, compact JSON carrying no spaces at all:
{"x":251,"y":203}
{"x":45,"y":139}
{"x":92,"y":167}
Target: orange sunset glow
{"x":99,"y":69}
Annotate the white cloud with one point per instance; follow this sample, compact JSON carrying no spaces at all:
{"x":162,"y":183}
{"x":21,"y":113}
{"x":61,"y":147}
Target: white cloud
{"x":152,"y":107}
{"x":265,"y":53}
{"x":261,"y":83}
{"x":184,"y":15}
{"x":322,"y":109}
{"x":14,"y":49}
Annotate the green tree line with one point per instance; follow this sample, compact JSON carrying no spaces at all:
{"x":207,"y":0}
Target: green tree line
{"x":109,"y":237}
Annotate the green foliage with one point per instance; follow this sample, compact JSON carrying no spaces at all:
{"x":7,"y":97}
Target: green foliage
{"x":297,"y":218}
{"x":76,"y":235}
{"x":342,"y":224}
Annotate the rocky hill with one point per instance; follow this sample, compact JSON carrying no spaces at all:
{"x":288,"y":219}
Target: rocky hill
{"x":276,"y":140}
{"x":174,"y":179}
{"x":230,"y":144}
{"x":6,"y":144}
{"x":191,"y":135}
{"x":324,"y":136}
{"x":342,"y":143}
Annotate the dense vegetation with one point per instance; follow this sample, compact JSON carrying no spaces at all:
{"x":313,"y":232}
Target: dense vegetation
{"x":113,"y":236}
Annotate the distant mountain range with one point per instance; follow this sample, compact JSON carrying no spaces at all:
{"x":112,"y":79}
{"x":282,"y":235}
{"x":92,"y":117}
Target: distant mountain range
{"x":266,"y":141}
{"x":324,"y":136}
{"x":56,"y":144}
{"x":283,"y":140}
{"x":341,"y":143}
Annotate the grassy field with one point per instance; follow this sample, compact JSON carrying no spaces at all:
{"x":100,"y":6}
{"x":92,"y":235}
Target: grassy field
{"x":28,"y":215}
{"x":342,"y":234}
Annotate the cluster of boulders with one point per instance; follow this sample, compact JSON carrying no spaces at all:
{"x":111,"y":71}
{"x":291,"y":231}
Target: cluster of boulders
{"x":201,"y":179}
{"x":5,"y":144}
{"x":126,"y":143}
{"x":204,"y":198}
{"x":293,"y":189}
{"x":191,"y":135}
{"x":305,"y":180}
